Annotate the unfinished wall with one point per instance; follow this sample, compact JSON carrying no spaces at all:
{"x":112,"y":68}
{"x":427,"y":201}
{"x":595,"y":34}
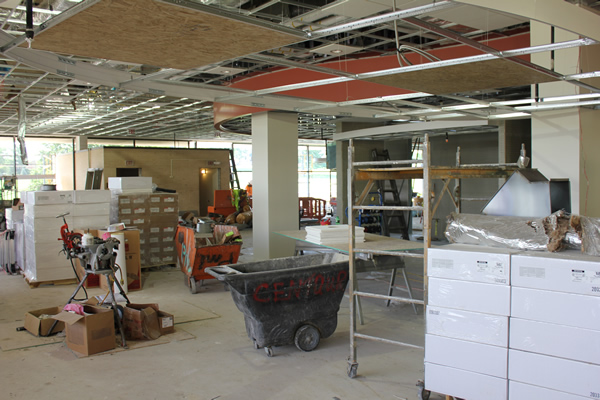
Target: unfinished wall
{"x":589,"y":162}
{"x":177,"y":169}
{"x":64,"y":171}
{"x":362,"y":153}
{"x":474,"y":149}
{"x":556,"y":134}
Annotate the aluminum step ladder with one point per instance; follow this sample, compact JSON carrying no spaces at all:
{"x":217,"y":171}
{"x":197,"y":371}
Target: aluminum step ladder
{"x":387,"y":188}
{"x":234,"y":181}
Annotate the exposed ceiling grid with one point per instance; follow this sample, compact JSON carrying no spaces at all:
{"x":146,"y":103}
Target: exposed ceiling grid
{"x":217,"y":43}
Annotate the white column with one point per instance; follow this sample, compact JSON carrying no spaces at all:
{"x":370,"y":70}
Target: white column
{"x":81,"y":143}
{"x":274,"y":183}
{"x":555,"y":134}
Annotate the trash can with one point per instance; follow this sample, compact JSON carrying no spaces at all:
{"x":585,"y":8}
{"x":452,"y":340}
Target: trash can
{"x":288,"y":300}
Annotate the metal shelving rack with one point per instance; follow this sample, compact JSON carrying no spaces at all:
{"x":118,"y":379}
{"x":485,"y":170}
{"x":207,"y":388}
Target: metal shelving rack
{"x":402,"y":169}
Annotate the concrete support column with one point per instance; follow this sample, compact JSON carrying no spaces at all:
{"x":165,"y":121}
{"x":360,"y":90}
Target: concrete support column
{"x":555,"y":134}
{"x":81,"y":143}
{"x":274,"y":183}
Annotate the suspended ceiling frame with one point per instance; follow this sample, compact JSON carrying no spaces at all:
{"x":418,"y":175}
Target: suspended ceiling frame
{"x":98,"y":97}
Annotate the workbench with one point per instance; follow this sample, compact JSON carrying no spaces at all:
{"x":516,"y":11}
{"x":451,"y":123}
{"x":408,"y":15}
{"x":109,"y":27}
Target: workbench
{"x":372,"y":242}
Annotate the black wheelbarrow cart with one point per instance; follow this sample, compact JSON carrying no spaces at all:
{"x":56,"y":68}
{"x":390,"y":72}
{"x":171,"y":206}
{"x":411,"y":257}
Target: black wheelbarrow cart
{"x":288,"y":300}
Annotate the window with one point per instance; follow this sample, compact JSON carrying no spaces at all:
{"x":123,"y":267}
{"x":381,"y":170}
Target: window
{"x":242,"y":154}
{"x":314,"y":179}
{"x":41,"y":154}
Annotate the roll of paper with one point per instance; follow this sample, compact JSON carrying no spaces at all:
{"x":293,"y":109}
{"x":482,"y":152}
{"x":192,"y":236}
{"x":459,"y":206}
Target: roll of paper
{"x":121,"y":262}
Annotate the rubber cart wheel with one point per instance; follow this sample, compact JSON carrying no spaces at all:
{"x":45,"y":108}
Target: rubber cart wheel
{"x":307,"y":338}
{"x":193,"y":288}
{"x":269,"y":351}
{"x":256,"y":346}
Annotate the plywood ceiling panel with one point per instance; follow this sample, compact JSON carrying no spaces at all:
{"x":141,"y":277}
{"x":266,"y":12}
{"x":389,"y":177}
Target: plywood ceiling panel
{"x":154,"y":33}
{"x":492,"y":74}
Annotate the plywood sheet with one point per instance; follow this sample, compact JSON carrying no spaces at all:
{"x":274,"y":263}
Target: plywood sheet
{"x":154,"y":33}
{"x":483,"y":75}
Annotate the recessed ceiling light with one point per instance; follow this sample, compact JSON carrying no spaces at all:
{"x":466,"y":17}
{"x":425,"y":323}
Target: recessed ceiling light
{"x":336,"y":51}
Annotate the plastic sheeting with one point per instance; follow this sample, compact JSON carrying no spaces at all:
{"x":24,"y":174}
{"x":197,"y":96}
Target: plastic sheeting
{"x":508,"y":232}
{"x":553,"y":233}
{"x":588,"y":230}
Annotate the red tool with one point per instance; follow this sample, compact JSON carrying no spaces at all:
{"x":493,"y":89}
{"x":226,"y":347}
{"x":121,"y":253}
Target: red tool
{"x":71,"y":240}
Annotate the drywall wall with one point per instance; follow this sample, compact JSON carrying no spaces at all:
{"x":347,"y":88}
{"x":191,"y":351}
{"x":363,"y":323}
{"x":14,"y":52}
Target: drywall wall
{"x":64,"y":163}
{"x":555,"y":134}
{"x":176,"y":169}
{"x":474,"y":149}
{"x":362,"y":152}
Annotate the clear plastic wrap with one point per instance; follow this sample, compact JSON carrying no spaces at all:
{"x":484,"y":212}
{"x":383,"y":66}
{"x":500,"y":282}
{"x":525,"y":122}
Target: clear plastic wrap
{"x":552,"y":233}
{"x":495,"y":231}
{"x":588,"y":230}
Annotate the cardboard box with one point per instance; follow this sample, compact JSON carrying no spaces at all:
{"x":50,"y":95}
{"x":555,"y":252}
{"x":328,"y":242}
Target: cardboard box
{"x":485,"y":298}
{"x":39,"y":322}
{"x":140,"y":321}
{"x":464,"y":384}
{"x":91,"y":196}
{"x":92,"y":333}
{"x":570,"y":272}
{"x":92,"y":221}
{"x":470,"y":263}
{"x":578,"y":378}
{"x":88,"y":209}
{"x":555,"y":340}
{"x":467,"y":325}
{"x":18,"y":205}
{"x":48,"y":211}
{"x":132,"y":239}
{"x":166,"y":323}
{"x":49,"y":197}
{"x":170,"y":198}
{"x":134,"y":273}
{"x":575,"y":310}
{"x":523,"y":391}
{"x":468,"y":356}
{"x":128,"y":183}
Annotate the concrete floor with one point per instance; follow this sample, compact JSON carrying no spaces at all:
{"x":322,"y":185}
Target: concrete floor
{"x":210,"y":356}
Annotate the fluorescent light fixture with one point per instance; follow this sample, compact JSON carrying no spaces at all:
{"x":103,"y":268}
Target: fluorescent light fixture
{"x":446,"y":115}
{"x":548,"y":47}
{"x":538,"y":106}
{"x":430,"y":65}
{"x":573,"y":97}
{"x":401,"y":120}
{"x":583,"y":75}
{"x":39,"y":10}
{"x":465,"y":107}
{"x":509,"y":115}
{"x":385,"y":98}
{"x":380,"y":19}
{"x":21,"y":22}
{"x":422,"y":111}
{"x":511,"y":102}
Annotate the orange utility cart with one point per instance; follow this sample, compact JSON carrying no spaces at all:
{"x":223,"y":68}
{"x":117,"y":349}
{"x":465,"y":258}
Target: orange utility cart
{"x":196,"y":251}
